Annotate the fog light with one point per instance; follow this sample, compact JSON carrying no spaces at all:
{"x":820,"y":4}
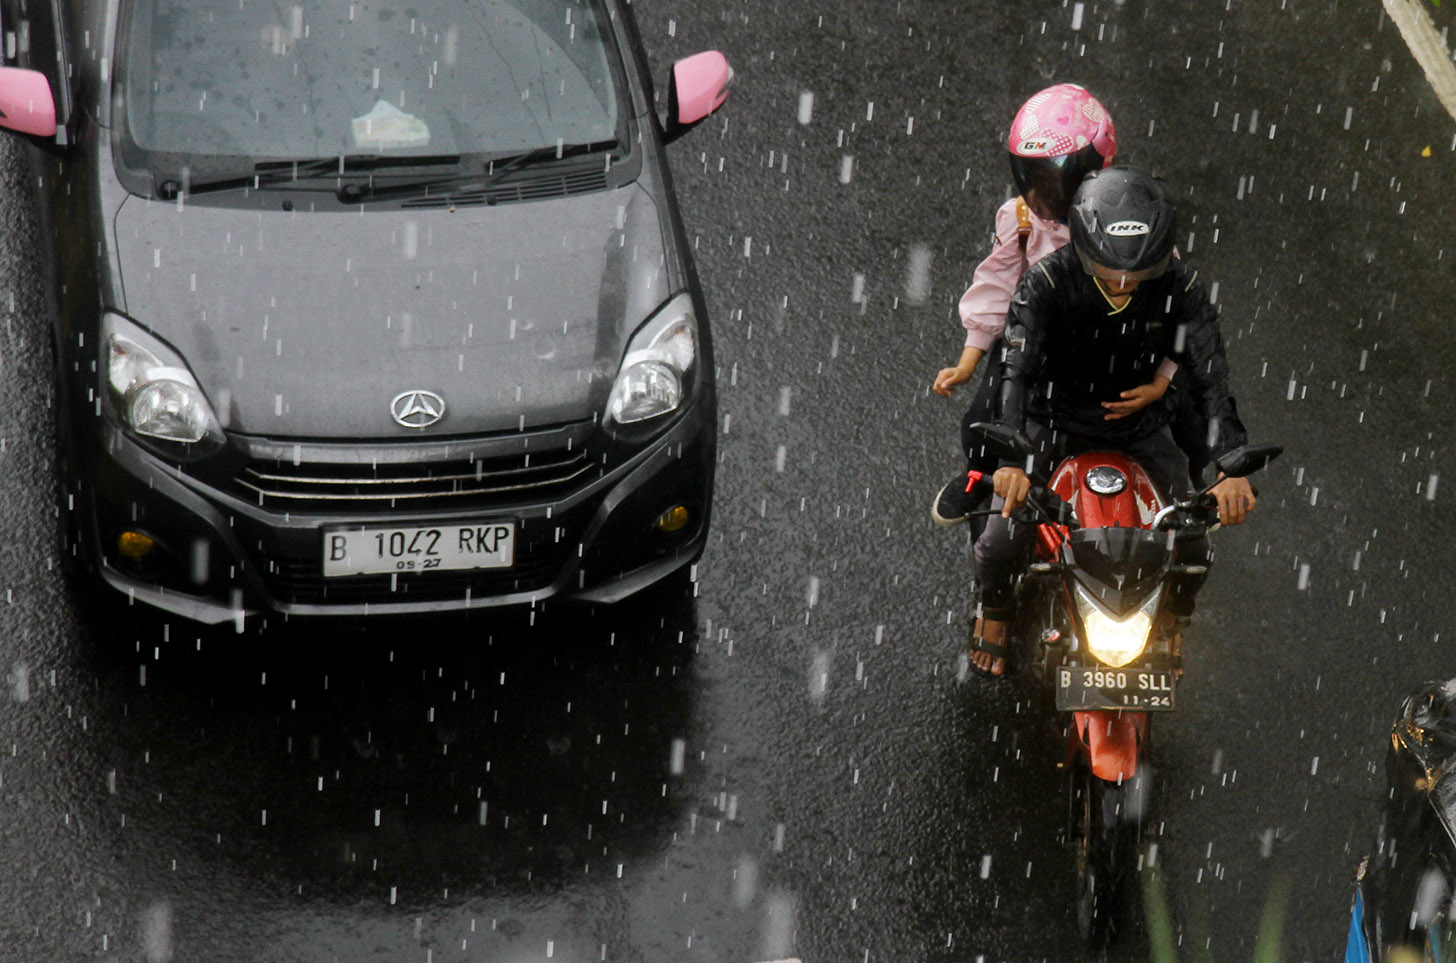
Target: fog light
{"x":135,"y":544}
{"x":673,"y":519}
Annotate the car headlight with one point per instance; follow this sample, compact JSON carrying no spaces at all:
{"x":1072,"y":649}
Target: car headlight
{"x":151,"y":390}
{"x":658,"y":367}
{"x":1116,"y":642}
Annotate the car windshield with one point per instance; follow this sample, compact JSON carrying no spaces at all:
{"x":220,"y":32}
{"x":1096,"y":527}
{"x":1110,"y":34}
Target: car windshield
{"x":203,"y":82}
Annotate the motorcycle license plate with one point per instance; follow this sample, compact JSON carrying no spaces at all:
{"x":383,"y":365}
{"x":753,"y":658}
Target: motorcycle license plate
{"x":1141,"y":689}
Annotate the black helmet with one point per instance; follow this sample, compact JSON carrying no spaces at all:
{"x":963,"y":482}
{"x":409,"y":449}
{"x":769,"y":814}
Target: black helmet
{"x":1122,"y":223}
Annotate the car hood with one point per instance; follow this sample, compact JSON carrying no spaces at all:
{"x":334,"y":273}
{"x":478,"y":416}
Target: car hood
{"x":309,"y":324}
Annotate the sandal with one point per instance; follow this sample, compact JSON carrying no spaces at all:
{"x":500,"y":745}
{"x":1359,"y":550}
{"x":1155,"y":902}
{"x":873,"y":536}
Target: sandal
{"x":996,"y":650}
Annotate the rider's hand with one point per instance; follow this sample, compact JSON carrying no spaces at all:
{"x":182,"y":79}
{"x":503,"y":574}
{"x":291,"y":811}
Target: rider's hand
{"x":949,"y":379}
{"x":1011,"y":484}
{"x":1235,"y":500}
{"x":1135,"y":399}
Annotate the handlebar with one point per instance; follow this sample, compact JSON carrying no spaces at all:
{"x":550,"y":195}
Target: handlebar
{"x":1041,"y":505}
{"x":1190,"y":516}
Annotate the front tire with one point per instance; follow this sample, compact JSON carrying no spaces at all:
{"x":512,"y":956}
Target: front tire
{"x":1104,"y":842}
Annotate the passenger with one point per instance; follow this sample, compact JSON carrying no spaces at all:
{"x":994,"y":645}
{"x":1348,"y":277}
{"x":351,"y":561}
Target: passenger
{"x":1091,"y":321}
{"x":1059,"y":135}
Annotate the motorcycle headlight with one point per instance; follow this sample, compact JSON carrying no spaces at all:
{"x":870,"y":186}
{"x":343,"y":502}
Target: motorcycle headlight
{"x":1116,"y":642}
{"x":658,"y":367}
{"x":151,"y":390}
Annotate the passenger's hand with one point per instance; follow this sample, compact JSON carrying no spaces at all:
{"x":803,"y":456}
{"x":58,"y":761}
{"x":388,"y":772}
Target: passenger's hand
{"x":1135,"y":399}
{"x":1235,"y":500}
{"x":948,"y":380}
{"x":1011,"y":484}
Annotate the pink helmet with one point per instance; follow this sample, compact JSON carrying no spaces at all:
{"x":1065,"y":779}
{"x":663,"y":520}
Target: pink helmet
{"x":1058,"y":137}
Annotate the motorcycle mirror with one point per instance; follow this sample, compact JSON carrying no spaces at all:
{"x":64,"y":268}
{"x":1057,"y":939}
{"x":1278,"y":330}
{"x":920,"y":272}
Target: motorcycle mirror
{"x":1248,"y":459}
{"x":1003,"y":439}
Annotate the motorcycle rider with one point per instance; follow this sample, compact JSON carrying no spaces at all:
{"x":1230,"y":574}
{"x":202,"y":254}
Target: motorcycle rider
{"x":1059,"y":135}
{"x":1086,"y":323}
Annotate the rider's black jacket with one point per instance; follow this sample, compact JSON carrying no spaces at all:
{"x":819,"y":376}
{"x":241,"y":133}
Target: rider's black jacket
{"x":1068,"y":350}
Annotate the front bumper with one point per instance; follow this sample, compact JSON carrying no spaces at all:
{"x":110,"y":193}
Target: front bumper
{"x":221,"y":558}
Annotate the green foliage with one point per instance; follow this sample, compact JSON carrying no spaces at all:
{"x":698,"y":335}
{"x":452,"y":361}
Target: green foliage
{"x":1268,"y":946}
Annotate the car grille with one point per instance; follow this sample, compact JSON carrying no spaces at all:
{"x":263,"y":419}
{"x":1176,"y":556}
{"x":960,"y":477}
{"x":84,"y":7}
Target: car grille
{"x":300,"y":582}
{"x":531,"y":189}
{"x":330,"y":487}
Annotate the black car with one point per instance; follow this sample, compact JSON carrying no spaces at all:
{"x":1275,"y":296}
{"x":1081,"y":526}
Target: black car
{"x":367,"y":307}
{"x":1405,"y":893}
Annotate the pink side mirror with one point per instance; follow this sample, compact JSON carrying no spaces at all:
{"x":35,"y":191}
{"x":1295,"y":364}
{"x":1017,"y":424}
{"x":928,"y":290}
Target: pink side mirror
{"x":26,"y":104}
{"x":700,"y":85}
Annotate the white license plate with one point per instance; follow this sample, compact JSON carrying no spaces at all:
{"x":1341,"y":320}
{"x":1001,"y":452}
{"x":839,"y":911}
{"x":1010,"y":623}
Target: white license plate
{"x":434,"y":548}
{"x":1141,"y":688}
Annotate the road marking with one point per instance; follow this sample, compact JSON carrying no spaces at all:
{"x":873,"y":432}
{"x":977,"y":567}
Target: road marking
{"x":1425,"y":43}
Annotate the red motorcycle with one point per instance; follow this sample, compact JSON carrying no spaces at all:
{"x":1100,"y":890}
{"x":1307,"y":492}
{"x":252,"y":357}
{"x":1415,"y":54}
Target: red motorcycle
{"x":1089,"y":608}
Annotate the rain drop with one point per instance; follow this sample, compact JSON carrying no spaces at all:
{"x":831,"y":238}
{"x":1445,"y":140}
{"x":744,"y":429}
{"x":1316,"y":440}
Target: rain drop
{"x":20,"y":682}
{"x":157,"y":933}
{"x":819,"y":677}
{"x":917,"y":275}
{"x":806,"y":106}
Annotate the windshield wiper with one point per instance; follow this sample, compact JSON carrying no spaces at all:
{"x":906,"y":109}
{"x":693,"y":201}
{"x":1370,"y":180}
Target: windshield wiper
{"x":497,"y":168}
{"x":283,"y":171}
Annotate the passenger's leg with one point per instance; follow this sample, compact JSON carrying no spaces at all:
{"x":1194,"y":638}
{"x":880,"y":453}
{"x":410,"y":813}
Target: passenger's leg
{"x":1001,"y":553}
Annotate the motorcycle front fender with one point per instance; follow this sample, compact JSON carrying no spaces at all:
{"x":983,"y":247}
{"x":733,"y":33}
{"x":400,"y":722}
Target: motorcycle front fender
{"x":1111,"y":741}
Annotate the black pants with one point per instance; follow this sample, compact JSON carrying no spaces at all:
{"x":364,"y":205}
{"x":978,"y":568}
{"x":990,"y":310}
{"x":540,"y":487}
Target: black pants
{"x":1004,"y":548}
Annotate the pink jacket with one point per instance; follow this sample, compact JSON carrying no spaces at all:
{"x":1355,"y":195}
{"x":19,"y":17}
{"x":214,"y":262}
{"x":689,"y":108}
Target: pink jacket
{"x":983,"y":306}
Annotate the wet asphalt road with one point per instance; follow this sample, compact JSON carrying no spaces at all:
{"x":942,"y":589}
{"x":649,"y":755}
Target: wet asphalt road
{"x":788,"y":764}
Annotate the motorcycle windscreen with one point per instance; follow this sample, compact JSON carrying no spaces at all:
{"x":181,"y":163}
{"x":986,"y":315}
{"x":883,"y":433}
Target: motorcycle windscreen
{"x":1120,"y":566}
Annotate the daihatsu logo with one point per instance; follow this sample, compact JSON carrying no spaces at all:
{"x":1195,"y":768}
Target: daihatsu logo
{"x":1127,"y":229}
{"x":417,"y":409}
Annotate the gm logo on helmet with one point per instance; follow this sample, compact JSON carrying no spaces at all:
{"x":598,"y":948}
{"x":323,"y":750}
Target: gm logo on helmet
{"x":1127,"y":229}
{"x":1035,"y":146}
